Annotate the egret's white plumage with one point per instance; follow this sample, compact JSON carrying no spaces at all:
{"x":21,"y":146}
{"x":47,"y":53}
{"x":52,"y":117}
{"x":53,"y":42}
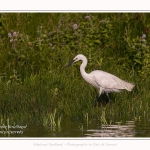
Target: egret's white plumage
{"x":103,"y":81}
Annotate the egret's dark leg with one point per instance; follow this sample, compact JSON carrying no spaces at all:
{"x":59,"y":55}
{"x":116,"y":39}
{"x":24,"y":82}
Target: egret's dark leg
{"x":109,"y":100}
{"x":102,"y":99}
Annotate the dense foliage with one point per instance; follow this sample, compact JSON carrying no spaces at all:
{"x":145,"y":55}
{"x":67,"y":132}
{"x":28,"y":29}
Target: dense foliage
{"x":34,"y":48}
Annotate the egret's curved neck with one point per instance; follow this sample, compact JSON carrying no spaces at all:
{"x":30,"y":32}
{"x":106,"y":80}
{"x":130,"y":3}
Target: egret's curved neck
{"x":83,"y":65}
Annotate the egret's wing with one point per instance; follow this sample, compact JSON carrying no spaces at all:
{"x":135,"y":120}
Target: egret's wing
{"x":107,"y":80}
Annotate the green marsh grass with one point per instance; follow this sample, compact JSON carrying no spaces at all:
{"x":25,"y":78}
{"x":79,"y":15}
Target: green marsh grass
{"x":34,"y":82}
{"x":87,"y":118}
{"x":52,"y":120}
{"x":103,"y":117}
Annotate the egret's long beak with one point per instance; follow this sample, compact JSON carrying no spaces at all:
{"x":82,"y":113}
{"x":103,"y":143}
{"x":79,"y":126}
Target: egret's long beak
{"x":71,"y":62}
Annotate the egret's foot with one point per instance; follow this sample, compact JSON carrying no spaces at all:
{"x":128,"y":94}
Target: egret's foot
{"x":102,"y":100}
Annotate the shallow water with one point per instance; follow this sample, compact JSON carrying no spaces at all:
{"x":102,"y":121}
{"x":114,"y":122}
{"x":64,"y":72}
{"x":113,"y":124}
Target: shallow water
{"x":69,"y":128}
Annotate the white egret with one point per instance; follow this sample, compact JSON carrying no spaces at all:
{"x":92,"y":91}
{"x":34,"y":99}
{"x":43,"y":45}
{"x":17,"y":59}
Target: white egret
{"x":103,"y":81}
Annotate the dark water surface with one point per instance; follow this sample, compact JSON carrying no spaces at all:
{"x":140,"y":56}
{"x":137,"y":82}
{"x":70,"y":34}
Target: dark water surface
{"x":69,"y":128}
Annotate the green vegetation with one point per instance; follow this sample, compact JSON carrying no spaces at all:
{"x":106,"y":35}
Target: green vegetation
{"x":35,"y":86}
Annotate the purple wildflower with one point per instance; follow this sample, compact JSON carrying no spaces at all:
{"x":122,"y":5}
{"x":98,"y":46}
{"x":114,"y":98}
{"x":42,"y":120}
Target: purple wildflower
{"x":11,"y":40}
{"x":75,"y":26}
{"x":15,"y":33}
{"x":102,"y":21}
{"x":50,"y":45}
{"x":87,"y":17}
{"x":143,"y":36}
{"x":9,"y":35}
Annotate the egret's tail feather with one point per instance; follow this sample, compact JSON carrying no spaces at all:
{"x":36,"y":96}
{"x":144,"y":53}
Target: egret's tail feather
{"x":129,"y":86}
